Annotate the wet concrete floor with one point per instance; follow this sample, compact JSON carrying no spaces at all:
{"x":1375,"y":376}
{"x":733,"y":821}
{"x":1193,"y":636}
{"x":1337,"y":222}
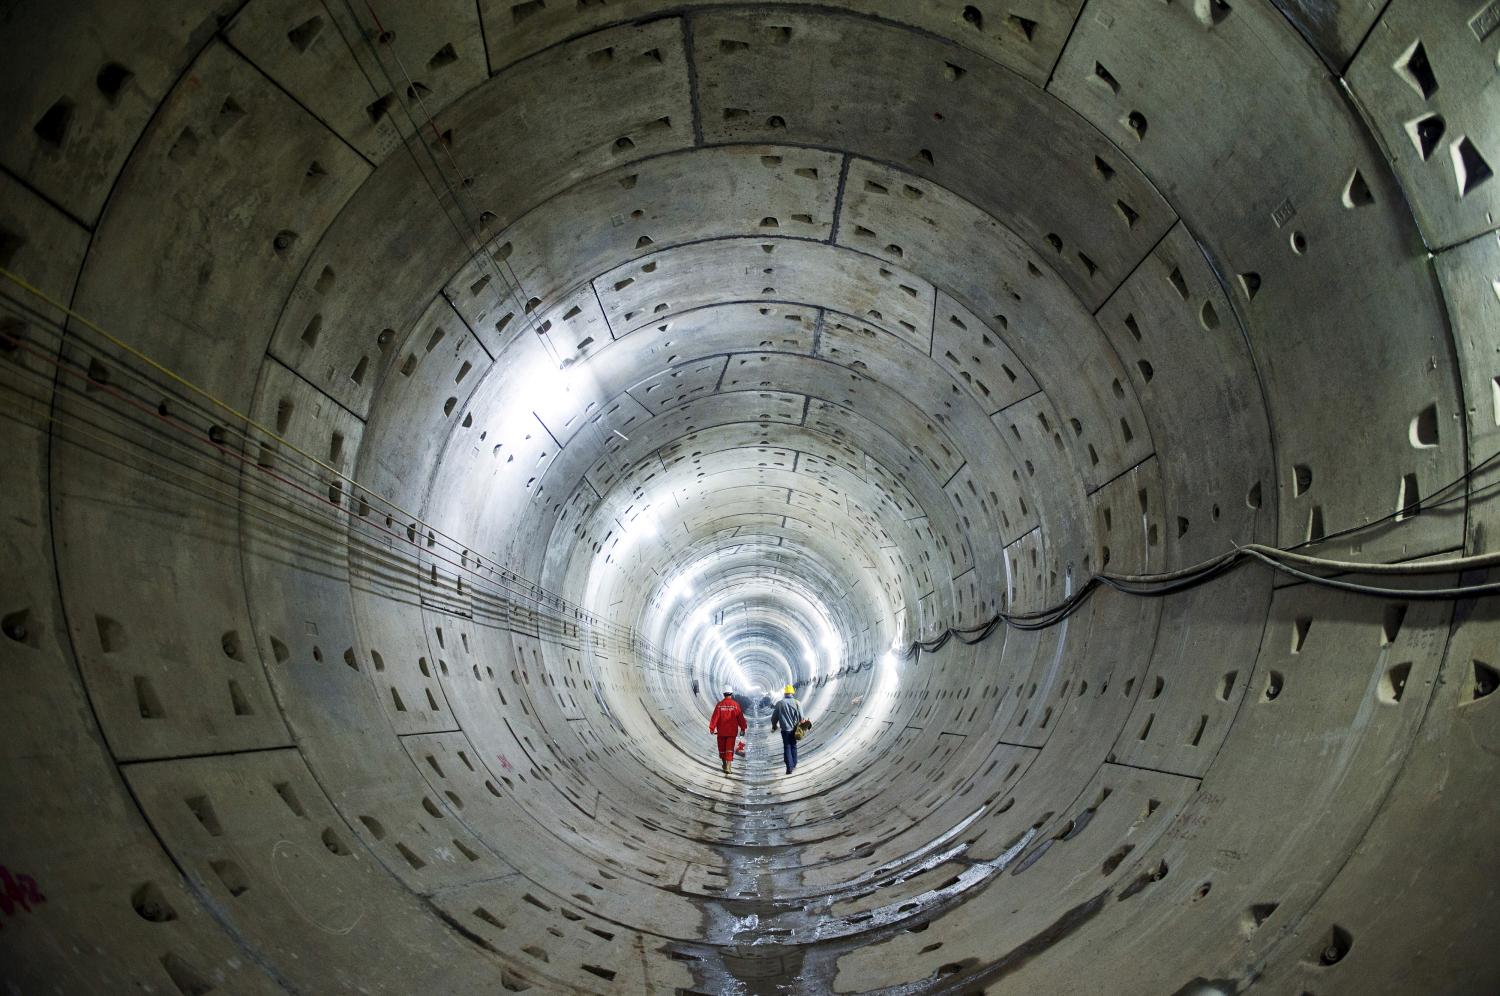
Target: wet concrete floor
{"x":771,"y":934}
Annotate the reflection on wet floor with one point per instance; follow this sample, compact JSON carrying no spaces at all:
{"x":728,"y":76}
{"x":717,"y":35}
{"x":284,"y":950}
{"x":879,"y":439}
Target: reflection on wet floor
{"x":769,"y":932}
{"x":747,"y":931}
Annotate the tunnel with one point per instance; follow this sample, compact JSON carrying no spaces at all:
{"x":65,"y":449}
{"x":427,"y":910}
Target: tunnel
{"x":420,"y":415}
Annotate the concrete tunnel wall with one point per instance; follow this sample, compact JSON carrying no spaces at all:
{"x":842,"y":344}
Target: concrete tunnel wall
{"x":853,"y":321}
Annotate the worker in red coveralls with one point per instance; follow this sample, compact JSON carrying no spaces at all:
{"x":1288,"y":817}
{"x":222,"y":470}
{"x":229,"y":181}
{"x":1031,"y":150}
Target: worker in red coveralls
{"x":727,"y":723}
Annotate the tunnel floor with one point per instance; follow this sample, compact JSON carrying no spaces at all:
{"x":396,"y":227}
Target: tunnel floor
{"x":767,"y":934}
{"x":770,"y":933}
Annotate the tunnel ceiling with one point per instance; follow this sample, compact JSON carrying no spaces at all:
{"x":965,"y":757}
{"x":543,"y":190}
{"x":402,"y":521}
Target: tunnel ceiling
{"x":421,"y":413}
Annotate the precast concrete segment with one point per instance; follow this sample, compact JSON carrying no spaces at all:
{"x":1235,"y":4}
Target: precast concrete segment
{"x":1469,"y":274}
{"x":77,"y":120}
{"x":1026,"y":42}
{"x":1266,"y":229}
{"x":58,"y":834}
{"x":1419,"y":83}
{"x":599,"y":354}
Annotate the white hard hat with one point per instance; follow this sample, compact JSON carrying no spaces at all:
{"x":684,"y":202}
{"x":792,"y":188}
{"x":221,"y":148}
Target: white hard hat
{"x":728,"y":690}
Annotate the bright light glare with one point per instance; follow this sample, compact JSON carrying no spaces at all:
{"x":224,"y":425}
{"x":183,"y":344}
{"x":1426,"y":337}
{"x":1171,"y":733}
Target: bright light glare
{"x":713,"y":635}
{"x":681,"y":586}
{"x":886,"y":683}
{"x":542,"y":389}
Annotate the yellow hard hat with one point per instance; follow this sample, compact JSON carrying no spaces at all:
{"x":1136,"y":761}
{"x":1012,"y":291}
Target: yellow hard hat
{"x":790,"y":690}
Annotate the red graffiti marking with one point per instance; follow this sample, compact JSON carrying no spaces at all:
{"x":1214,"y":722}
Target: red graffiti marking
{"x":16,"y":891}
{"x":504,"y":761}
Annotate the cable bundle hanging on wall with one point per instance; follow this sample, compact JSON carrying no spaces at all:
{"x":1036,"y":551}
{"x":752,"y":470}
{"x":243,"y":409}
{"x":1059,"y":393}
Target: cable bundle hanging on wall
{"x":196,"y":424}
{"x":1300,"y":566}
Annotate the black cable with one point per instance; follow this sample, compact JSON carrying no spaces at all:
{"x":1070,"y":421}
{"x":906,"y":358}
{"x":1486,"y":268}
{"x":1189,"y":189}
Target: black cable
{"x":1139,"y":585}
{"x":1148,"y":586}
{"x":1421,"y":594}
{"x":1416,"y":507}
{"x":181,"y":454}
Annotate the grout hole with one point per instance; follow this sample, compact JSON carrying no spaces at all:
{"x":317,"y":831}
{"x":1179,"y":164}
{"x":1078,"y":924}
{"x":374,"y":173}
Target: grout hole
{"x":521,"y":11}
{"x":1426,"y":132}
{"x":111,"y":634}
{"x":184,"y":976}
{"x":1315,"y":527}
{"x":288,"y":796}
{"x":1335,"y":946}
{"x":150,"y":904}
{"x":1102,"y":75}
{"x":1414,"y":67}
{"x":1409,"y":499}
{"x":146,"y":701}
{"x":1211,"y":12}
{"x":1393,"y":683}
{"x":1390,"y":628}
{"x":304,"y":34}
{"x":1357,"y":191}
{"x":1301,"y":626}
{"x":204,"y":811}
{"x":111,"y":80}
{"x":1470,"y":169}
{"x":1256,"y":916}
{"x":1486,"y":680}
{"x":445,"y":56}
{"x":232,"y":875}
{"x":52,"y":127}
{"x":238,"y":701}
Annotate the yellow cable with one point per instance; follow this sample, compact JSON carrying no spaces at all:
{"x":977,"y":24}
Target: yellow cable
{"x":268,"y":513}
{"x":217,"y":402}
{"x":46,"y":298}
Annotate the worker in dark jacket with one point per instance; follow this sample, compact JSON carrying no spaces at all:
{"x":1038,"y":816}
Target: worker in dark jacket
{"x":786,"y":716}
{"x":727,"y":723}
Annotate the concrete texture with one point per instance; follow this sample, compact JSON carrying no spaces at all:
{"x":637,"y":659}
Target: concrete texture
{"x":417,"y":413}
